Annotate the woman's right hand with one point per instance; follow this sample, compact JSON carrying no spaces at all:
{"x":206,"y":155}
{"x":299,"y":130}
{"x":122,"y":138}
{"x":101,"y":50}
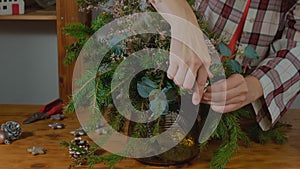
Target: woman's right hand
{"x":187,"y":69}
{"x":189,"y":59}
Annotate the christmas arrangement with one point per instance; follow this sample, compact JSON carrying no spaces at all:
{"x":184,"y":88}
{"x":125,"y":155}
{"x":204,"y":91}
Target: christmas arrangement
{"x":151,"y":92}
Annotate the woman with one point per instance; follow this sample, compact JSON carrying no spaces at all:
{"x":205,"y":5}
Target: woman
{"x":271,"y":27}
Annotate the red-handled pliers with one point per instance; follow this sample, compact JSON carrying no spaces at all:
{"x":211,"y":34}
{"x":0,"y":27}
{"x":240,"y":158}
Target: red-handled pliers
{"x":54,"y":107}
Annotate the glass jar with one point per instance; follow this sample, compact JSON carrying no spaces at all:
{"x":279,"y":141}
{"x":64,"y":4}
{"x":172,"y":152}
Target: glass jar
{"x":185,"y":151}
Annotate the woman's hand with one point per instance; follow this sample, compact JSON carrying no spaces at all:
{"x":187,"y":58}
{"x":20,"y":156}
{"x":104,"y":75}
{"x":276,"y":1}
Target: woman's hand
{"x":187,"y":70}
{"x":189,"y":60}
{"x":233,"y":93}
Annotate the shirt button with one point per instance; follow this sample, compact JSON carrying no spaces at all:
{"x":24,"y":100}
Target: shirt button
{"x":251,"y":20}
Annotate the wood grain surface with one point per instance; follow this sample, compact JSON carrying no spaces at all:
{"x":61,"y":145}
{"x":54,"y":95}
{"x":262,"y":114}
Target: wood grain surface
{"x":15,"y":155}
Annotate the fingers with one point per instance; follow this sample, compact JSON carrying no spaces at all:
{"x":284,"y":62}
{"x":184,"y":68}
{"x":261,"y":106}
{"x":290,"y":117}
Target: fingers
{"x":172,"y":69}
{"x":184,"y":65}
{"x":227,"y":95}
{"x":200,"y":86}
{"x":196,"y":98}
{"x":233,"y":81}
{"x":225,"y":109}
{"x":232,"y":95}
{"x":180,"y":75}
{"x":190,"y":78}
{"x":188,"y":70}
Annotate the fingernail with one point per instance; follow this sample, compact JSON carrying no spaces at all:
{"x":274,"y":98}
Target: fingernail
{"x":170,"y":77}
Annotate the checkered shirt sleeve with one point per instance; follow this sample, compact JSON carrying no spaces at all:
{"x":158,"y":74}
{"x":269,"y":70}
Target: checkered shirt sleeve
{"x":279,"y":73}
{"x":272,"y":28}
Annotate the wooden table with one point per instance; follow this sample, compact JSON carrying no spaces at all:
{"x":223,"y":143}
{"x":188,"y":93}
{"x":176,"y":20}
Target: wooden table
{"x":15,"y":155}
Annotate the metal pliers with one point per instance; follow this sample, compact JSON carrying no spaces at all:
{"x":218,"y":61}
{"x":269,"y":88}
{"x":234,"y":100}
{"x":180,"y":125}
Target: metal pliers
{"x":54,"y":107}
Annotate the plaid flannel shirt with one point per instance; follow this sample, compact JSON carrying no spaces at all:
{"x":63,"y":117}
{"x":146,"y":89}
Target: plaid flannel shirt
{"x":272,"y":28}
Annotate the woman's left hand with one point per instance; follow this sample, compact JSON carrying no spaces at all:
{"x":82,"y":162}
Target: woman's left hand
{"x":233,"y":93}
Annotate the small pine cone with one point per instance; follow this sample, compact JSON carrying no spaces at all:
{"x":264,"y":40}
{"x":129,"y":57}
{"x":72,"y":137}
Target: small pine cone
{"x":12,"y":130}
{"x":2,"y":137}
{"x":81,"y":148}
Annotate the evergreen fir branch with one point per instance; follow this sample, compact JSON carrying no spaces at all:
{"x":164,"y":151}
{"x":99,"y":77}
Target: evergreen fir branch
{"x":205,"y":29}
{"x":86,"y":84}
{"x":72,"y":52}
{"x":138,"y":129}
{"x":116,"y":87}
{"x":81,"y":32}
{"x":100,"y":21}
{"x":223,"y":155}
{"x":90,"y":2}
{"x":78,"y":30}
{"x":232,"y":133}
{"x":64,"y":143}
{"x":221,"y":131}
{"x":80,"y":160}
{"x":203,"y":146}
{"x":117,"y":121}
{"x":229,"y":129}
{"x":111,"y":160}
{"x":84,"y":91}
{"x":277,"y":134}
{"x":191,"y":2}
{"x":95,"y":116}
{"x":91,"y":157}
{"x":70,"y":108}
{"x":227,"y":150}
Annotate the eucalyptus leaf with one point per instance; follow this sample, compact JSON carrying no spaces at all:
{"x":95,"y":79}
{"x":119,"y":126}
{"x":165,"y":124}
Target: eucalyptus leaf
{"x":224,"y":50}
{"x":149,"y":82}
{"x":117,"y":50}
{"x":159,"y":105}
{"x":143,"y":5}
{"x":251,"y":53}
{"x":145,"y":87}
{"x":235,"y":66}
{"x":144,"y":90}
{"x":116,"y":39}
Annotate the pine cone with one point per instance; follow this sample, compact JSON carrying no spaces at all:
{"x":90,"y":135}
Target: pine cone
{"x":12,"y":130}
{"x":79,"y":148}
{"x":2,"y":137}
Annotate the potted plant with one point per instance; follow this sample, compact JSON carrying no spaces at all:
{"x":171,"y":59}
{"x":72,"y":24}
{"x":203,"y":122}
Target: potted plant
{"x":150,"y":91}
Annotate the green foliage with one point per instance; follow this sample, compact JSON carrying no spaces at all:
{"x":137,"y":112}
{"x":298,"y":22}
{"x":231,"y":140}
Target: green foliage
{"x":251,"y":53}
{"x":145,"y":87}
{"x":151,"y":90}
{"x":81,"y":33}
{"x":224,"y":50}
{"x":235,"y":66}
{"x":92,"y":157}
{"x":76,"y":148}
{"x":277,"y":134}
{"x":88,"y":2}
{"x":111,"y":160}
{"x":85,"y":5}
{"x":230,"y":132}
{"x":159,"y":103}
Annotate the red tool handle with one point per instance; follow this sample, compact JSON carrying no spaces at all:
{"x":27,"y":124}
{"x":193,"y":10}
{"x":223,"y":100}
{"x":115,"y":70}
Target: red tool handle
{"x":50,"y":105}
{"x":55,"y":110}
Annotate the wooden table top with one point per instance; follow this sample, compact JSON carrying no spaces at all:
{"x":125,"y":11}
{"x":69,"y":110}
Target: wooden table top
{"x":15,"y":155}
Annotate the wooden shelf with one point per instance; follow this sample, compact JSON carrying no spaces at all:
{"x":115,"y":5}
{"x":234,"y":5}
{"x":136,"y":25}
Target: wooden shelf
{"x":32,"y":15}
